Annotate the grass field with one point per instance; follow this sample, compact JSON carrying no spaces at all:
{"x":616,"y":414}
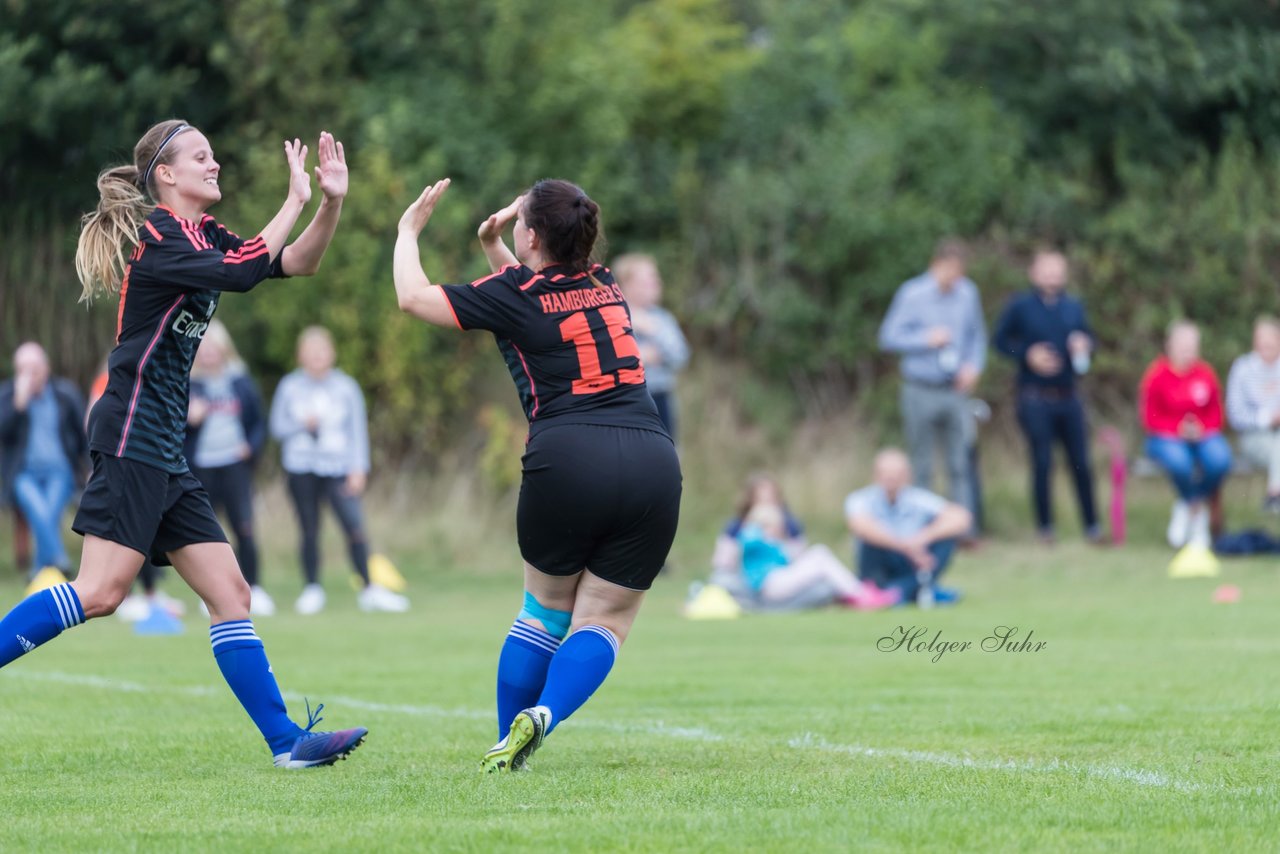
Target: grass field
{"x":1147,"y":722}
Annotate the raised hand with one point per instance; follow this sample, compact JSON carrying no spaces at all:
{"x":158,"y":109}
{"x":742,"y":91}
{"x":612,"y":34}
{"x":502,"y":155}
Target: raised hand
{"x":331,"y":174}
{"x":493,"y":227}
{"x":295,"y":153}
{"x":416,"y":215}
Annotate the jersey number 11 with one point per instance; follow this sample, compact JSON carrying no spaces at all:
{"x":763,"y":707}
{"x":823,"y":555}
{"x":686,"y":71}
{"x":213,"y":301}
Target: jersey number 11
{"x":596,"y":340}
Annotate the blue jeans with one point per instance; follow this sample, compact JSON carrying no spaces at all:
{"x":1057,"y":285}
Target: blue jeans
{"x":1197,"y":469}
{"x":42,"y":496}
{"x":890,"y":570}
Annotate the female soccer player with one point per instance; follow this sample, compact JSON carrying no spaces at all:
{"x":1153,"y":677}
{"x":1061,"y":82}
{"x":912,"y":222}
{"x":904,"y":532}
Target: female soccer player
{"x":141,"y":498}
{"x":600,"y":497}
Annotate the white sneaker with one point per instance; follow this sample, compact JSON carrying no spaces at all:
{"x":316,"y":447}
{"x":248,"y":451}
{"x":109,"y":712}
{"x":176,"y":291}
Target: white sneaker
{"x":311,"y":601}
{"x":176,"y":607}
{"x":376,"y":598}
{"x":134,"y":608}
{"x":261,"y":604}
{"x":1179,"y":524}
{"x":1199,"y":528}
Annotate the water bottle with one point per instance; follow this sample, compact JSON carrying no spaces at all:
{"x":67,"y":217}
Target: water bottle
{"x":924,"y":594}
{"x":1080,"y":362}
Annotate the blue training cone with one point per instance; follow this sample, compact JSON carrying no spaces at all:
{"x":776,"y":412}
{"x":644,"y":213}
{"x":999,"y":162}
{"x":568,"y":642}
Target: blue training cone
{"x":159,"y":622}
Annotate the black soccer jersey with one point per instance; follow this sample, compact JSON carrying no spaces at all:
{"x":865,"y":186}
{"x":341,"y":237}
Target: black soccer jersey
{"x":567,"y":341}
{"x":169,"y":293}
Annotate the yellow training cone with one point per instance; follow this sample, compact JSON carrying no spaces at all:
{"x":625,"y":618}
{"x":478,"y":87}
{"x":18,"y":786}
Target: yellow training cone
{"x":1194,"y":562}
{"x":383,"y":573}
{"x":712,"y":602}
{"x":48,"y":577}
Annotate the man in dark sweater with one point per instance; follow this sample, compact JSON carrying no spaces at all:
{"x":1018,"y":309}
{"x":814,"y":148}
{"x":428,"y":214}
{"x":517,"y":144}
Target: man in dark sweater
{"x":42,"y":449}
{"x":1046,"y":333}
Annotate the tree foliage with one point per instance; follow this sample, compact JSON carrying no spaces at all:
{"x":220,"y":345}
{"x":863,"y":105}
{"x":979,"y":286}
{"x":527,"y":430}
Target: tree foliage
{"x":790,"y":163}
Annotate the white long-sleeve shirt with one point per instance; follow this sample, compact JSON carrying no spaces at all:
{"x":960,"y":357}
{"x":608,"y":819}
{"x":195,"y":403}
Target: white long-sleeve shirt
{"x":1253,"y":393}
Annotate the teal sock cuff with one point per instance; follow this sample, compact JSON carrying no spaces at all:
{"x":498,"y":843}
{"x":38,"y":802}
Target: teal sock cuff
{"x":555,"y":622}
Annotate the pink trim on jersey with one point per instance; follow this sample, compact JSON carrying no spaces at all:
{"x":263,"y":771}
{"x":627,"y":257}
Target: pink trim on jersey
{"x":255,"y":248}
{"x":533,"y":389}
{"x":478,"y":282}
{"x":151,"y":228}
{"x":142,"y":363}
{"x":530,"y":283}
{"x":197,"y":238}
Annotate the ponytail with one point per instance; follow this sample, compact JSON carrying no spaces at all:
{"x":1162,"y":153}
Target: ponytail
{"x":568,"y":222}
{"x":100,"y":254}
{"x":111,"y":231}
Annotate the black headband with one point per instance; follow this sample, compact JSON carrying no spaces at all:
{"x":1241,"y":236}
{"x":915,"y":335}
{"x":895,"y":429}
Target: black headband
{"x":146,"y":176}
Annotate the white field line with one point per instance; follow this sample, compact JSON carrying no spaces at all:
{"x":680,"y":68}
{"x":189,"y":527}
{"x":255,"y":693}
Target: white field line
{"x":806,"y":742}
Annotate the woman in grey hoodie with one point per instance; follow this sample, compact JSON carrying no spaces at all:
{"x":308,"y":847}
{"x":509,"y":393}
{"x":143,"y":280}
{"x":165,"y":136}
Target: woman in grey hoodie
{"x":318,"y":416}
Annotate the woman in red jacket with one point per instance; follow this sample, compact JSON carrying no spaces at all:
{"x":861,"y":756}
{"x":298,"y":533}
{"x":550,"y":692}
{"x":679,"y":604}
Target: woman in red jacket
{"x":1180,"y":403}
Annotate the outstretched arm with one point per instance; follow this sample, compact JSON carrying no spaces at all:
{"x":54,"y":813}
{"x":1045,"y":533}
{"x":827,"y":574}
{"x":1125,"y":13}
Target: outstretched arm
{"x":303,"y":256}
{"x":277,"y":231}
{"x":414,"y":291}
{"x":490,"y":234}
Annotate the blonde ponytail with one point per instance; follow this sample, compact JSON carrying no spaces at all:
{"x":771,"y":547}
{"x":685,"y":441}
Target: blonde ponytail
{"x":110,"y":232}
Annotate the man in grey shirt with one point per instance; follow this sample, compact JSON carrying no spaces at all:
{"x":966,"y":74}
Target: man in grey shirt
{"x":935,"y":323}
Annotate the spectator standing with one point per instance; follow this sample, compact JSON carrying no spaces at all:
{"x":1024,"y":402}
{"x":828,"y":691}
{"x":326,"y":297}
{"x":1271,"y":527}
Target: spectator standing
{"x":1180,"y":404}
{"x":43,"y":453}
{"x":905,"y":535}
{"x":1253,"y":405}
{"x":318,"y":416}
{"x":225,"y":433}
{"x":935,"y":324}
{"x":663,"y":349}
{"x":1046,"y":333}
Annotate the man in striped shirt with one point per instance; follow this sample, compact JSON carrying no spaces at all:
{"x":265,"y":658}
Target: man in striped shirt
{"x":1253,"y":404}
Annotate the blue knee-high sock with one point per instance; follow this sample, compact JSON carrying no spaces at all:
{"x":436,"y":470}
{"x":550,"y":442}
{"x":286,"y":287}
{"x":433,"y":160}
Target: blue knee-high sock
{"x":522,"y":670}
{"x":243,"y":663}
{"x":577,"y":670}
{"x":38,"y":619}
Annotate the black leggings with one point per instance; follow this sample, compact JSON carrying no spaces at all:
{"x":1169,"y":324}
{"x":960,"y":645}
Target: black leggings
{"x":230,"y":491}
{"x":307,"y":491}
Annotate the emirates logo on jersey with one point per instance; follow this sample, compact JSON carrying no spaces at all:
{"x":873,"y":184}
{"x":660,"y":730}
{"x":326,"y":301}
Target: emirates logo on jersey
{"x":188,"y":326}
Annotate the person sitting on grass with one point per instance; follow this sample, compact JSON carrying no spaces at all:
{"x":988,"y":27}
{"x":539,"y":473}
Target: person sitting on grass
{"x":1180,"y":403}
{"x":726,"y":560}
{"x":811,"y":578}
{"x":905,"y":535}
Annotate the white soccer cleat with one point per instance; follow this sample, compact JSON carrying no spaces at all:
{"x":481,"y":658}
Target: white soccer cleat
{"x":260,"y":603}
{"x":311,"y":601}
{"x":377,"y":598}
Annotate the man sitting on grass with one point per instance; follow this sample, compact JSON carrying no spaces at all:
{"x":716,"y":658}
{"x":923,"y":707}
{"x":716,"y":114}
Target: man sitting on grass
{"x":905,"y":534}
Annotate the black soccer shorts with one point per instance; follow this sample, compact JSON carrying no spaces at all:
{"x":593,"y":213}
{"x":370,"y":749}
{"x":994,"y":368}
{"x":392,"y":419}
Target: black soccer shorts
{"x":145,"y":508}
{"x":606,"y":499}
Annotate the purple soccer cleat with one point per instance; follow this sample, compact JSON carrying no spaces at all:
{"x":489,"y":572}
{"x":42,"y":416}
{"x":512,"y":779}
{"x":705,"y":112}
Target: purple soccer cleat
{"x":313,"y":749}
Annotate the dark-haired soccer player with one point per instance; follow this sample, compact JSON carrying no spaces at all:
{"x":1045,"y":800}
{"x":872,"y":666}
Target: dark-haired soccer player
{"x":142,"y":499}
{"x":600,"y":497}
